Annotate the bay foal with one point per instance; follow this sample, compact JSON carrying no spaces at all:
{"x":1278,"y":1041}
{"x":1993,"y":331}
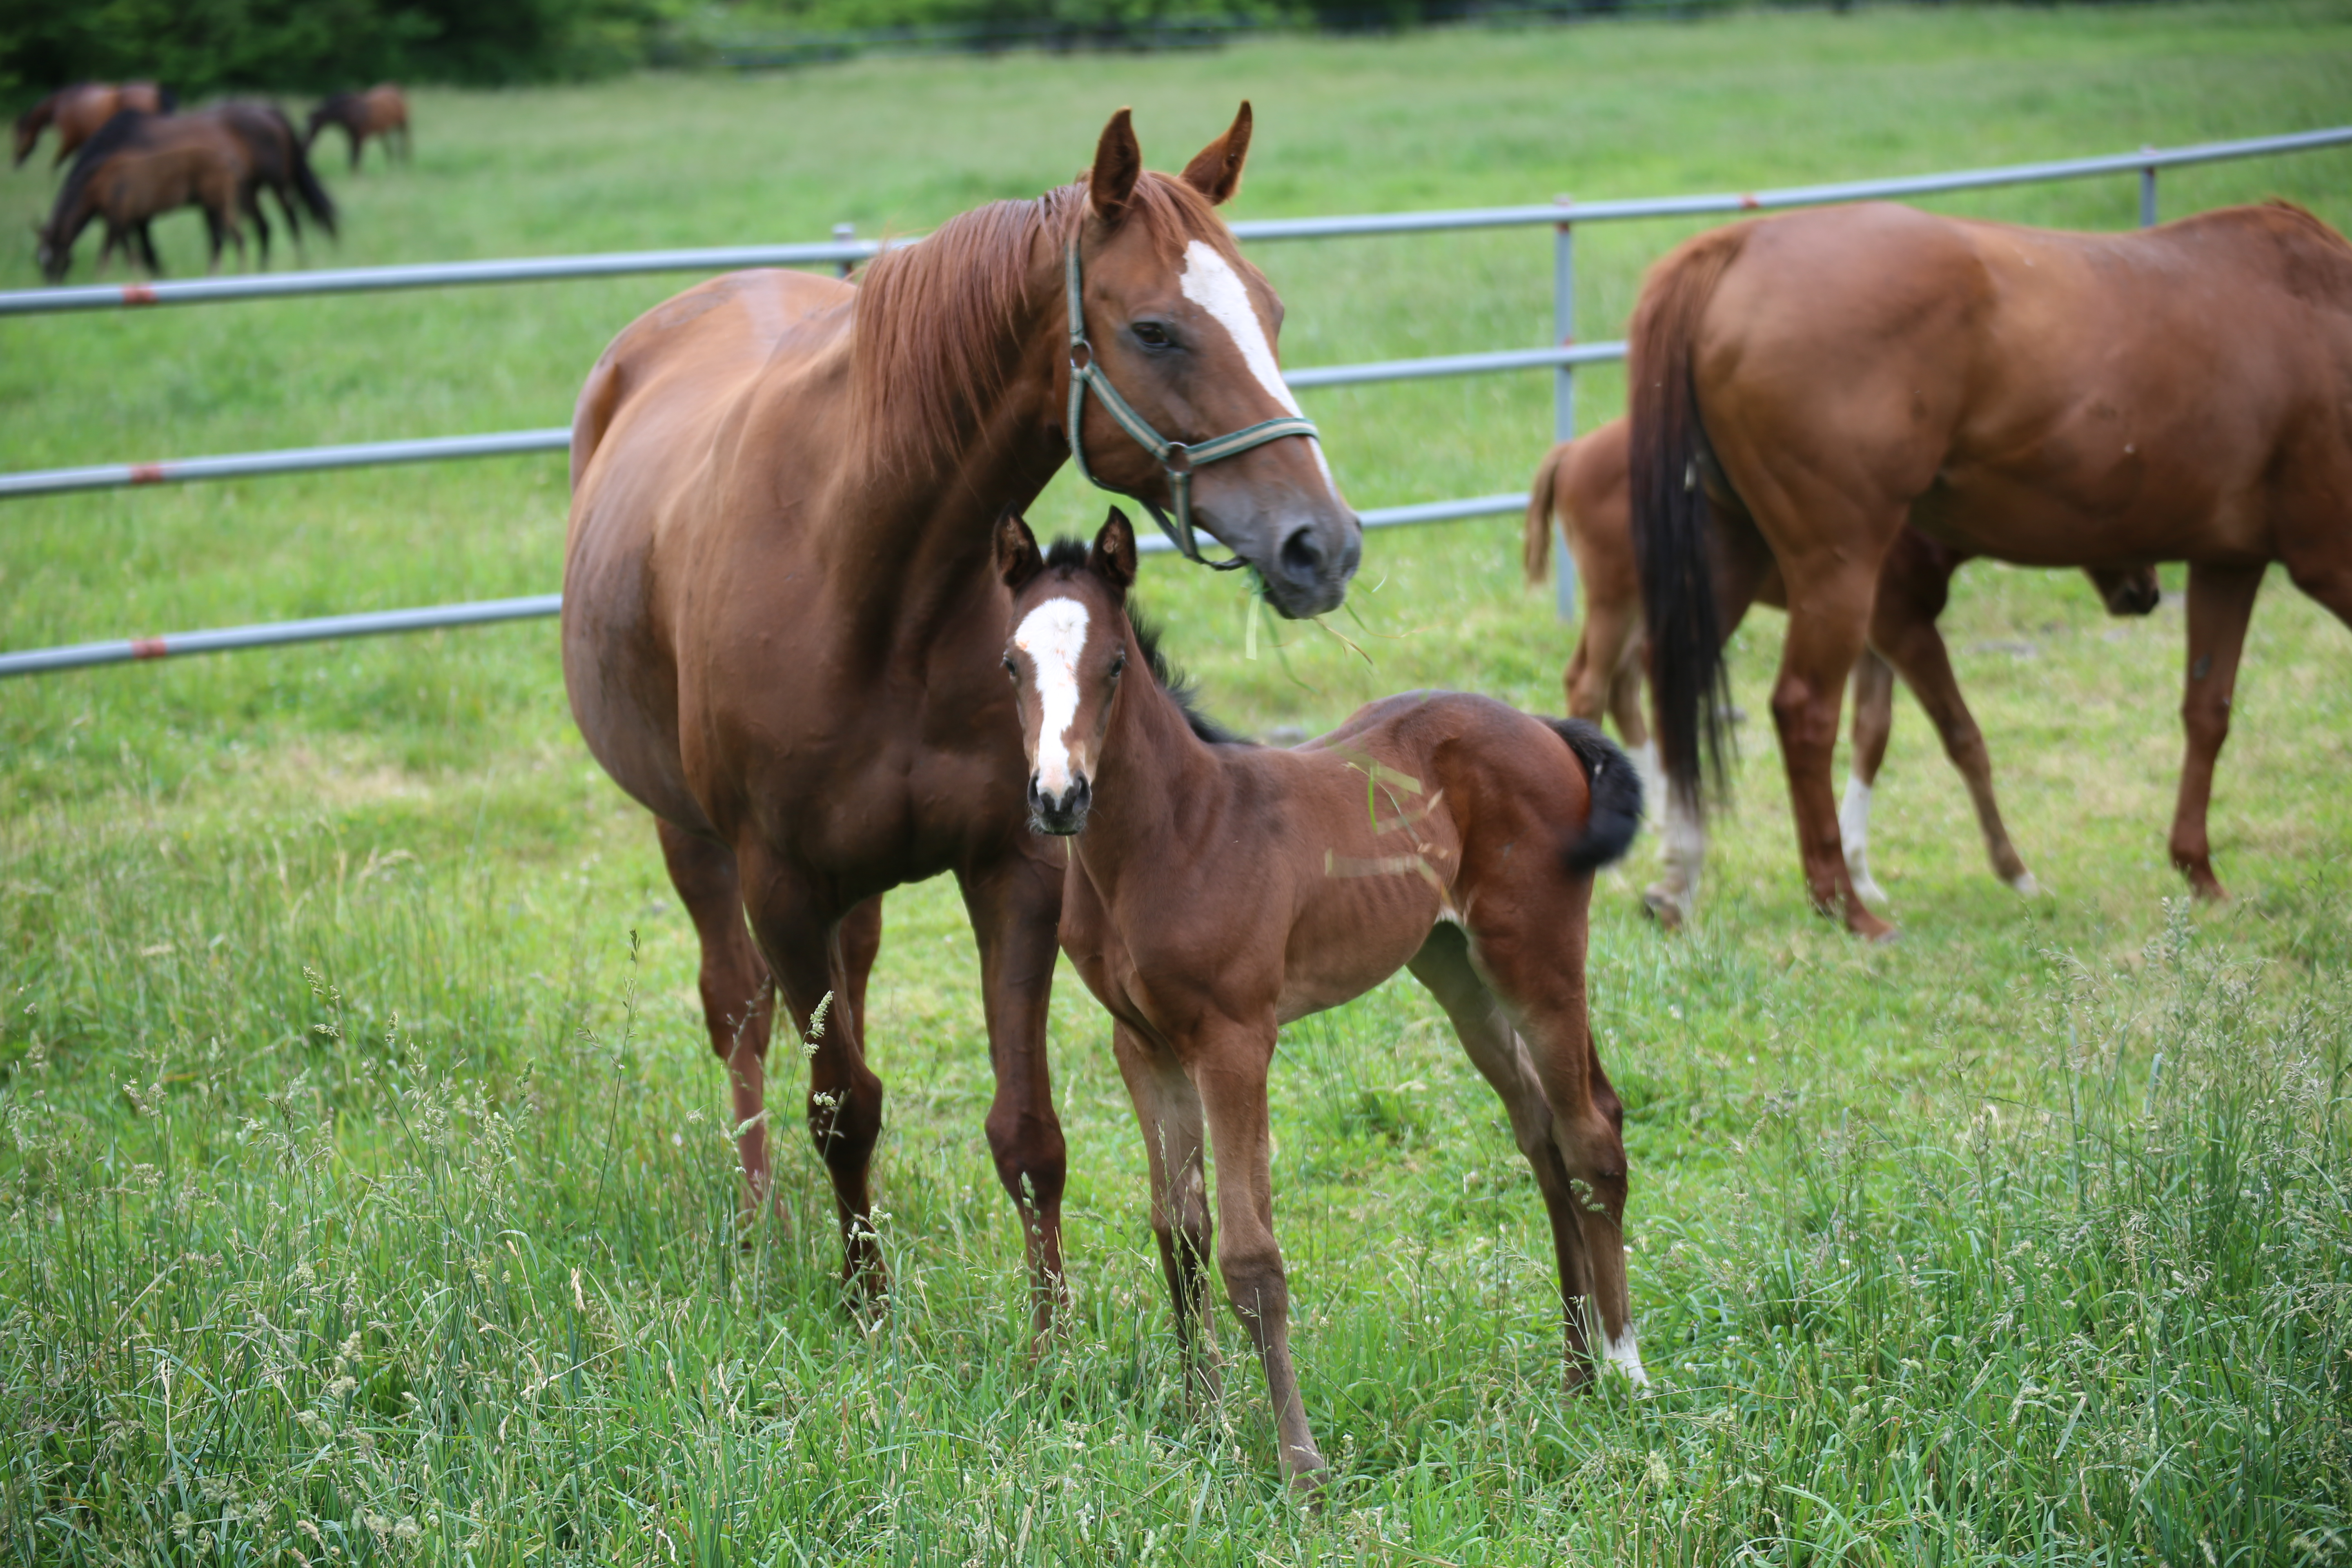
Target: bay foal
{"x":1217,"y":890}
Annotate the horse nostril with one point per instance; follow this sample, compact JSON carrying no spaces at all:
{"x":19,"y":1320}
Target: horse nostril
{"x":1302,"y":558}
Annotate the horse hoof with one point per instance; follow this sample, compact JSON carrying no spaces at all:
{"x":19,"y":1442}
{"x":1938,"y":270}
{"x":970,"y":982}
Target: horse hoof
{"x":1663,"y":906}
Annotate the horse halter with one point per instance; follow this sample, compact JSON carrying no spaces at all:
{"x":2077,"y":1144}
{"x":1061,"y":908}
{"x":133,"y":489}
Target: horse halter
{"x":1175,"y":458}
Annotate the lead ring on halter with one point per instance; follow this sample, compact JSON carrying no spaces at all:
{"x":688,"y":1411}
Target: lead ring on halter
{"x":1176,"y":459}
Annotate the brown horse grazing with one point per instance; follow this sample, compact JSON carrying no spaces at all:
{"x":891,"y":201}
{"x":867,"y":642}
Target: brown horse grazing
{"x":137,"y":167}
{"x":781,"y":630}
{"x":1218,"y":891}
{"x":2051,"y":399}
{"x":381,"y":110}
{"x":276,"y":163}
{"x":1584,"y":482}
{"x":77,"y":112}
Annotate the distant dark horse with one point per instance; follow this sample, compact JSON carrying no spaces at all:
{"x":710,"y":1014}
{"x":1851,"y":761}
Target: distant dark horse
{"x":2052,"y":399}
{"x":139,"y":167}
{"x":280,"y":165}
{"x":1586,"y":482}
{"x":79,"y":110}
{"x":381,"y":110}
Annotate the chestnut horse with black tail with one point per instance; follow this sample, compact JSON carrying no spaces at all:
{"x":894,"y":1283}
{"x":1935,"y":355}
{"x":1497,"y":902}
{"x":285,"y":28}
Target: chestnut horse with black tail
{"x":79,"y":111}
{"x":2052,"y":399}
{"x":1218,"y":891}
{"x":1585,"y":483}
{"x":780,"y":626}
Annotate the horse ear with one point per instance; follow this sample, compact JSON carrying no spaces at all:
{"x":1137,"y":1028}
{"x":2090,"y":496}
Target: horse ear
{"x":1017,"y":560}
{"x":1216,"y":171}
{"x":1118,"y":163}
{"x":1114,"y":556}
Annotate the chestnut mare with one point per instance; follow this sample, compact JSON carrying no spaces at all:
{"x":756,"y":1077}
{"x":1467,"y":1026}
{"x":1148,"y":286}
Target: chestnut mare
{"x":77,"y":112}
{"x":1218,"y":891}
{"x":1584,"y":482}
{"x":2052,"y":399}
{"x":381,"y":110}
{"x":781,"y":630}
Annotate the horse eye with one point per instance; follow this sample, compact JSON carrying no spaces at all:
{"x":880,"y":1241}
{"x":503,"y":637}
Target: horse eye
{"x":1152,"y":335}
{"x":1011,"y":668}
{"x":1116,"y":665}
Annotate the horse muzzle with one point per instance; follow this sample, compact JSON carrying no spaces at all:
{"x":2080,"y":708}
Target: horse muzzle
{"x":1059,"y":816}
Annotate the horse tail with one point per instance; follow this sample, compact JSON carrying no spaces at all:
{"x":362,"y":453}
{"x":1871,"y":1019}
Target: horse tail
{"x":1671,"y":544}
{"x":1614,"y":785}
{"x":1535,"y":545}
{"x":306,"y":181}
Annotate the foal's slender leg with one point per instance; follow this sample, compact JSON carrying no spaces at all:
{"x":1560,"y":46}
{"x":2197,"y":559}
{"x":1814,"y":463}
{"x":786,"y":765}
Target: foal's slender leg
{"x":1168,"y":1108}
{"x":739,"y":999}
{"x":1229,"y":1066}
{"x":1015,"y":904}
{"x":2220,"y":602}
{"x":1444,"y":965}
{"x":1873,"y":722}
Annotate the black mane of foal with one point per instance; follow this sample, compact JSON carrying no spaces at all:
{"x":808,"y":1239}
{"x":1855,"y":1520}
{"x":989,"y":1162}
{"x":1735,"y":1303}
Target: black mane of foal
{"x":1066,"y":556}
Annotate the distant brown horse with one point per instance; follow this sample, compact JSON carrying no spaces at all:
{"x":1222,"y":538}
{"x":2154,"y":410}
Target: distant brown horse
{"x":2052,"y":399}
{"x":276,"y":163}
{"x":1585,"y":483}
{"x":77,"y":112}
{"x":381,"y":110}
{"x":1218,"y":891}
{"x":781,"y":630}
{"x":139,"y":167}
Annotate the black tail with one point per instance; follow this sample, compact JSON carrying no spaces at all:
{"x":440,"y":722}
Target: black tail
{"x":1615,"y":785}
{"x":306,"y":180}
{"x":1671,"y":527}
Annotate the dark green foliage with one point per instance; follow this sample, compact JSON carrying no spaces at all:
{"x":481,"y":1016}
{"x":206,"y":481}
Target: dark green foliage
{"x":203,"y":46}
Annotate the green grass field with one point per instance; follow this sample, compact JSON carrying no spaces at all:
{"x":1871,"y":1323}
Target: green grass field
{"x":367,"y":1195}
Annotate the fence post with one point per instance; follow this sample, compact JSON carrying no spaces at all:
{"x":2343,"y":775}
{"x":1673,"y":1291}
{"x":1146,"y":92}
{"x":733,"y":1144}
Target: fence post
{"x":2147,"y":194}
{"x":1563,"y":389}
{"x":842,"y":232}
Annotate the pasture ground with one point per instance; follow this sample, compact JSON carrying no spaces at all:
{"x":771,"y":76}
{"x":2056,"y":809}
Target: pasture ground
{"x":367,"y":1192}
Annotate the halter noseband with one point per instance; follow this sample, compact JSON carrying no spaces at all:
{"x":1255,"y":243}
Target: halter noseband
{"x":1175,"y":457}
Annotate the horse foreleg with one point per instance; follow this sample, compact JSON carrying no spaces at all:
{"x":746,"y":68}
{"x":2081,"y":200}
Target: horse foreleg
{"x":2221,"y":601}
{"x":1874,"y":723}
{"x":1015,"y":905}
{"x":1501,"y":1058}
{"x":146,"y":238}
{"x":739,"y":999}
{"x":1168,"y":1110}
{"x":1228,"y":1065}
{"x":821,"y":959}
{"x":1829,"y":603}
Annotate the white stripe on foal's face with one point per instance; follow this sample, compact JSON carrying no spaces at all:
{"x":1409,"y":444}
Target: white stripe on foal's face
{"x":1054,"y":634}
{"x":1211,"y":282}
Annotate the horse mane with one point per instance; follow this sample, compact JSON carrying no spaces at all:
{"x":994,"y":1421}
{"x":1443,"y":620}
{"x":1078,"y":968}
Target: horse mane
{"x":1071,"y":556}
{"x":125,"y":127}
{"x":38,"y":117}
{"x":933,"y":319}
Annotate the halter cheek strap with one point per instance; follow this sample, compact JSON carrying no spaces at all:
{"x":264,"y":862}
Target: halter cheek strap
{"x":1176,"y":459}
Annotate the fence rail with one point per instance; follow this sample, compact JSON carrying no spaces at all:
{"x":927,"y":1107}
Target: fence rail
{"x":1561,"y":216}
{"x":369,"y":279}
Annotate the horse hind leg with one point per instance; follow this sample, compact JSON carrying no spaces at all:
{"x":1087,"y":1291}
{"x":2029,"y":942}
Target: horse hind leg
{"x":1588,"y":1245}
{"x":1168,"y":1110}
{"x":1873,"y":722}
{"x":739,"y":999}
{"x":2220,"y":602}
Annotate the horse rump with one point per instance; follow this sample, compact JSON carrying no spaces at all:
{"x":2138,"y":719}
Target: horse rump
{"x":1615,"y":787}
{"x":1666,"y":461}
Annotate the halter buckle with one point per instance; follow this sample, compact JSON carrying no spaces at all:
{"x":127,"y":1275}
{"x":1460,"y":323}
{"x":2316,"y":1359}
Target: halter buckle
{"x":1178,"y":459}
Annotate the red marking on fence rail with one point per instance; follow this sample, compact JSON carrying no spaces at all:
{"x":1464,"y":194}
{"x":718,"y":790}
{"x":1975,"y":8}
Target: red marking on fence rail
{"x":147,"y":473}
{"x":149,"y":647}
{"x":1749,"y":203}
{"x":138,"y":294}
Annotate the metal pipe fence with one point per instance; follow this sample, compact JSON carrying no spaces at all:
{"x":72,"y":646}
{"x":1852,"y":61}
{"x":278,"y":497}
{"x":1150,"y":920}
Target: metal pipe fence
{"x":844,"y":249}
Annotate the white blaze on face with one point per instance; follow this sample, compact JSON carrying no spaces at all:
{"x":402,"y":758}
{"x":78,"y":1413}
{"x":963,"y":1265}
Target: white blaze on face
{"x":1054,"y":634}
{"x":1626,"y":1357}
{"x":1211,"y":282}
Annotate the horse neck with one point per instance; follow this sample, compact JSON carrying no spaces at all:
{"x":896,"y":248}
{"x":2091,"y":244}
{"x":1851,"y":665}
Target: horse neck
{"x":1153,"y":770}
